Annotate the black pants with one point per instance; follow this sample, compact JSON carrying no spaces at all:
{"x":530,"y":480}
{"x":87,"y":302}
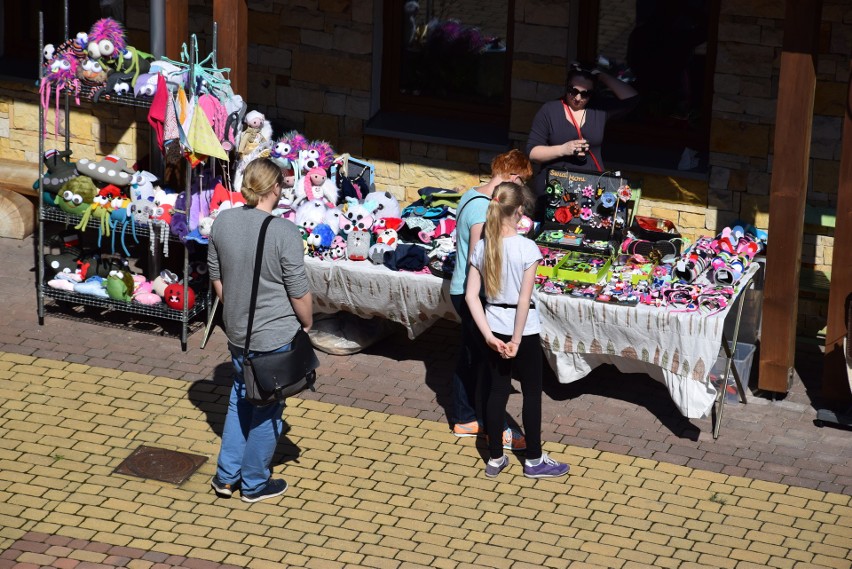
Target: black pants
{"x":497,"y":384}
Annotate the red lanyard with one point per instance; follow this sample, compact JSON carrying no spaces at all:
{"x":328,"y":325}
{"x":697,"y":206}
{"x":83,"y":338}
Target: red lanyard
{"x":580,"y":134}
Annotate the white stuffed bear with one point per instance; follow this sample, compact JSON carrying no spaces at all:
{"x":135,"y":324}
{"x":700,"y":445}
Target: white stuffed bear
{"x":310,"y":214}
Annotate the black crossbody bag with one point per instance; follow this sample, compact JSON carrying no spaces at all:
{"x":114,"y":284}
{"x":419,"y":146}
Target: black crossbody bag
{"x":274,"y":376}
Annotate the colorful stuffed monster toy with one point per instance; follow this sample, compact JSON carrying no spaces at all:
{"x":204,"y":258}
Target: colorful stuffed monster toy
{"x":59,"y":170}
{"x":76,"y":195}
{"x":119,"y":285}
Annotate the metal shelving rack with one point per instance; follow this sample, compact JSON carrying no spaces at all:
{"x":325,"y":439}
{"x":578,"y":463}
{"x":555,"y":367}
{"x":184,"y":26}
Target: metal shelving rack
{"x":49,"y":213}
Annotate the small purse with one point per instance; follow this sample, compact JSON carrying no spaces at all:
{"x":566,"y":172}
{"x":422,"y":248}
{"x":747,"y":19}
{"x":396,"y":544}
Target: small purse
{"x":274,"y":376}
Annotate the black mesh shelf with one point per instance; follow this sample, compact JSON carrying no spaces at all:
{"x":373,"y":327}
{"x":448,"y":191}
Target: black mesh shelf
{"x":53,"y":213}
{"x":87,"y":93}
{"x":158,"y":310}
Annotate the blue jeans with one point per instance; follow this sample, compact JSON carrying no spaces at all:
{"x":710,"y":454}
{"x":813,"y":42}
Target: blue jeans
{"x":250,"y":434}
{"x":465,"y":381}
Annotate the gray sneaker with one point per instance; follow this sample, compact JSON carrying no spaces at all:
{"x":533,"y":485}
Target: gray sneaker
{"x":547,"y":468}
{"x":492,"y":471}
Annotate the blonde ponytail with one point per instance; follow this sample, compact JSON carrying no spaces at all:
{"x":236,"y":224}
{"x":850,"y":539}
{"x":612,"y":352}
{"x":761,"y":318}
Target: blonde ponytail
{"x":507,"y":198}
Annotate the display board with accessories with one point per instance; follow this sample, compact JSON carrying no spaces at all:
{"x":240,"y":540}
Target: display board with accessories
{"x":586,"y":211}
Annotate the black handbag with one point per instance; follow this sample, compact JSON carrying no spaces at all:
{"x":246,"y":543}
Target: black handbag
{"x":274,"y":376}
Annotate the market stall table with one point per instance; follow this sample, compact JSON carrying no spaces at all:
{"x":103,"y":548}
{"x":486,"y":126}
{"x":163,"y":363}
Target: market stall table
{"x":675,"y":348}
{"x":415,"y":300}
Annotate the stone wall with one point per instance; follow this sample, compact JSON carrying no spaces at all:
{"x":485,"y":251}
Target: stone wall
{"x":95,"y":130}
{"x":311,"y":68}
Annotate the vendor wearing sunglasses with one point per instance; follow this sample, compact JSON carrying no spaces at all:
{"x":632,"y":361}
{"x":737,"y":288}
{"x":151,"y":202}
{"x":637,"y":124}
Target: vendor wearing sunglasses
{"x":567,"y":133}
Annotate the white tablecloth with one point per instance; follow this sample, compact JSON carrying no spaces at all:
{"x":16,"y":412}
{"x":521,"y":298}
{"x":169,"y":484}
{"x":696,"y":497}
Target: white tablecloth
{"x":675,"y":348}
{"x":414,"y":300}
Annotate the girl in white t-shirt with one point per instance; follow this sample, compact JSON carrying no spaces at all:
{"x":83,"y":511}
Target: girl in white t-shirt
{"x":505,"y":262}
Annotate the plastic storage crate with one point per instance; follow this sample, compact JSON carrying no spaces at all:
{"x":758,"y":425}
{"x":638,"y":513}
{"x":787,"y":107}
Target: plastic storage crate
{"x":743,"y":357}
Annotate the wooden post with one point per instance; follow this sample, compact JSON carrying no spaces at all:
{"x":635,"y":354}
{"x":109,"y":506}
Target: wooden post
{"x":177,"y":27}
{"x":835,"y":386}
{"x":232,"y":18}
{"x":788,"y":191}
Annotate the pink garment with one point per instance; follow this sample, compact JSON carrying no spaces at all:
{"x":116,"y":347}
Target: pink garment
{"x":216,"y":114}
{"x":157,"y":112}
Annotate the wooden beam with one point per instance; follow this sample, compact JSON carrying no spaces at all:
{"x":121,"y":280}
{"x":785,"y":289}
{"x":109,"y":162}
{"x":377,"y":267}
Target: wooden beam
{"x":232,"y":19}
{"x":835,"y":385}
{"x":177,"y":27}
{"x":788,"y":192}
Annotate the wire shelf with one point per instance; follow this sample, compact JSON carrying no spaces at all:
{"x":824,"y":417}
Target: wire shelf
{"x":53,"y":213}
{"x":157,"y":311}
{"x":87,"y":94}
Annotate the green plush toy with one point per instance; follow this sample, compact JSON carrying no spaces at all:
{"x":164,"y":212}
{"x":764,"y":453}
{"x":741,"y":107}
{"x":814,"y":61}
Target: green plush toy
{"x":119,"y":285}
{"x":76,"y":195}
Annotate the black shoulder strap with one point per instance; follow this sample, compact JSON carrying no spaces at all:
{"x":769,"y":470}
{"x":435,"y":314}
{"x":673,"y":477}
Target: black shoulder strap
{"x":458,"y":213}
{"x":258,"y":257}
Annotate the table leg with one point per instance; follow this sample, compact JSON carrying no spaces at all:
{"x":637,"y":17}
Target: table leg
{"x":730,"y":350}
{"x":209,"y":327}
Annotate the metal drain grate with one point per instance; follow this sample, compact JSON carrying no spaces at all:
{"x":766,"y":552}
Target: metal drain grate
{"x":160,"y":464}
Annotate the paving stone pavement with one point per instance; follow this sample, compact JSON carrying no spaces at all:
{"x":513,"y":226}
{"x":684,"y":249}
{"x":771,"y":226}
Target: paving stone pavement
{"x":629,"y":417}
{"x":367,"y":489}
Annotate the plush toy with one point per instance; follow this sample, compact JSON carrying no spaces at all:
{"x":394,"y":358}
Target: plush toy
{"x":286,"y":150}
{"x":358,"y":245}
{"x":318,"y":154}
{"x":377,"y":253}
{"x":334,"y":218}
{"x":310,"y":214}
{"x":119,"y":285}
{"x":92,"y":286}
{"x":165,"y":278}
{"x":76,"y":46}
{"x":361,"y":214}
{"x":223,"y":199}
{"x":65,"y":262}
{"x":317,"y":186}
{"x":388,"y":237}
{"x":63,"y":281}
{"x":106,"y":40}
{"x":337,"y":250}
{"x":61,"y":75}
{"x":320,"y":239}
{"x":121,"y":216}
{"x":257,"y":130}
{"x":386,"y":204}
{"x":76,"y":195}
{"x":117,"y":83}
{"x":143,"y":292}
{"x":383,"y":223}
{"x":285,"y":207}
{"x":146,"y":85}
{"x":100,"y":209}
{"x":59,"y":171}
{"x":110,"y":170}
{"x":174,"y":297}
{"x":91,"y":72}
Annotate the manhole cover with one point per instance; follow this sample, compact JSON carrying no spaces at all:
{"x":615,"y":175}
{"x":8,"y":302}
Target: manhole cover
{"x":160,"y":464}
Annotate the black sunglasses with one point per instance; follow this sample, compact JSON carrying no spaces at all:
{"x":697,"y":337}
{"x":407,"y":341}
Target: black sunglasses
{"x":574,"y":92}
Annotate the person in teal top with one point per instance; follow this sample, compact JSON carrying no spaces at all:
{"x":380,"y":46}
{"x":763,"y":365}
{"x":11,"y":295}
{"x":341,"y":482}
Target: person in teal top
{"x":465,"y":413}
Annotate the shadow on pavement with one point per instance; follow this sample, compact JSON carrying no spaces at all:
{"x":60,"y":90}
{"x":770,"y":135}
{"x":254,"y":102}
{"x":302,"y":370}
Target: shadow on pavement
{"x":211,"y":396}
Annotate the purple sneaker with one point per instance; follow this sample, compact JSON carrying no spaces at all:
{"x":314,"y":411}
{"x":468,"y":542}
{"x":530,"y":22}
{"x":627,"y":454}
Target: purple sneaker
{"x":547,"y":468}
{"x":492,"y":471}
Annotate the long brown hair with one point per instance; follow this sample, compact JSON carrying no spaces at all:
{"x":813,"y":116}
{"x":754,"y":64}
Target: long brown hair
{"x":504,"y":203}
